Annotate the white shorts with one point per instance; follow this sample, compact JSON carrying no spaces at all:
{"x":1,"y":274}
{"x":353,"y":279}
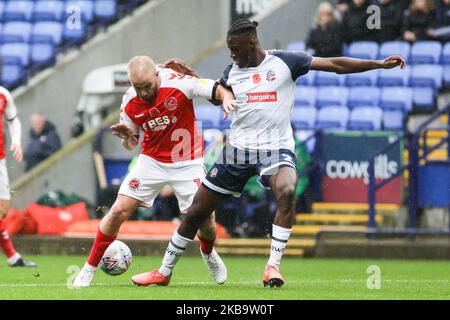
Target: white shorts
{"x":149,"y":177}
{"x":4,"y":182}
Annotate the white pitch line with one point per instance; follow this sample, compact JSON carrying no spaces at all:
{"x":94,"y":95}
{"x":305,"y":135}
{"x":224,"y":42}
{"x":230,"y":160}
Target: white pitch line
{"x":190,"y":283}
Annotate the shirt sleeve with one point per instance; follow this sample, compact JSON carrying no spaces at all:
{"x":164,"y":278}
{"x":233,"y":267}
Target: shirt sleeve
{"x":223,"y":80}
{"x":126,"y":119}
{"x":298,"y":62}
{"x":10,"y":109}
{"x":202,"y":88}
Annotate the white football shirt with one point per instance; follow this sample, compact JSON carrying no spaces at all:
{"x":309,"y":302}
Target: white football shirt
{"x":265,"y":96}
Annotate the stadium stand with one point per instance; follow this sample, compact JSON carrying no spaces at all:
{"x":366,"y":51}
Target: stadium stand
{"x":45,"y":28}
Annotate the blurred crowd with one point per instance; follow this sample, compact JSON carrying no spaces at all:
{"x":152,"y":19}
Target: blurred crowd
{"x":350,"y":20}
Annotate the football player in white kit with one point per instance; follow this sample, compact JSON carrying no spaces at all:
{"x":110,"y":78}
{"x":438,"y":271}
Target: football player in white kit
{"x":261,"y":139}
{"x":8,"y":110}
{"x":160,"y":105}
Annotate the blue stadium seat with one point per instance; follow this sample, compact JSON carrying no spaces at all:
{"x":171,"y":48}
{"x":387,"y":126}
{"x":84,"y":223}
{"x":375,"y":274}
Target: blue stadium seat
{"x":105,"y":11}
{"x":208,"y":116}
{"x":18,"y":10}
{"x":329,"y":79}
{"x":225,"y":124}
{"x":445,"y":59}
{"x":16,"y":53}
{"x":396,"y":98}
{"x":305,"y":96}
{"x":332,"y":117}
{"x":303,"y":118}
{"x":2,"y":7}
{"x":16,"y":31}
{"x":393,"y":119}
{"x":390,"y":48}
{"x":424,"y":98}
{"x":75,"y":35}
{"x":50,"y":10}
{"x":368,"y":78}
{"x":425,"y":52}
{"x":332,"y":96}
{"x":12,"y":75}
{"x":47,"y":32}
{"x":363,"y":96}
{"x":84,"y":6}
{"x":43,"y":55}
{"x":296,"y":46}
{"x":394,"y":77}
{"x":365,"y":118}
{"x":363,"y":50}
{"x":426,"y":75}
{"x":307,"y":79}
{"x":447,"y":76}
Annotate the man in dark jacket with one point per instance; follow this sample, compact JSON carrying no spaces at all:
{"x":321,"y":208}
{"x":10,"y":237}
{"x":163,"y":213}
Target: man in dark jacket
{"x":354,"y":22}
{"x":391,"y":20}
{"x":44,"y":141}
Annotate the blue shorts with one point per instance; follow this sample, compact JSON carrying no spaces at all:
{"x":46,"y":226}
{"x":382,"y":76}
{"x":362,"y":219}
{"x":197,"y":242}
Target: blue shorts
{"x":235,"y":167}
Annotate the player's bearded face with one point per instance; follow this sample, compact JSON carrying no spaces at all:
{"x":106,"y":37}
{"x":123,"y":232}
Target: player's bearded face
{"x":147,"y":89}
{"x":240,"y":50}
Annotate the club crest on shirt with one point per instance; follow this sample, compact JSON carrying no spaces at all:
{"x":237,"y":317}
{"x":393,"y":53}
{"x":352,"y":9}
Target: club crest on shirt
{"x":213,"y":173}
{"x":134,"y":184}
{"x":171,"y":103}
{"x":256,"y":78}
{"x":270,"y":76}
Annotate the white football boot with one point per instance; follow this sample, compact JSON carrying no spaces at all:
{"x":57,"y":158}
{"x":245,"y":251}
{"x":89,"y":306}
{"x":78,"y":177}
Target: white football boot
{"x":216,"y":267}
{"x":85,"y":276}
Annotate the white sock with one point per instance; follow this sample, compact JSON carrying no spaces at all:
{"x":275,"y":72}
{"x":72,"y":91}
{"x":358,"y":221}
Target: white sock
{"x":173,"y":252}
{"x":13,"y":259}
{"x":88,"y":267}
{"x":280,"y":237}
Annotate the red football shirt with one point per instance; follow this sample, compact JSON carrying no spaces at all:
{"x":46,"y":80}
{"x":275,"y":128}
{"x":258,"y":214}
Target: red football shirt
{"x":9,"y":110}
{"x":171,"y":133}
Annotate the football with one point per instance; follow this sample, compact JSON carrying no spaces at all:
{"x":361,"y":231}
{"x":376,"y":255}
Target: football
{"x":117,"y":259}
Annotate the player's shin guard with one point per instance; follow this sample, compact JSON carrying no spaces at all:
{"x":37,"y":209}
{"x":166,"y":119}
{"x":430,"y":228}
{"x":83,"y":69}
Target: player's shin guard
{"x":101,"y":243}
{"x":174,"y":250}
{"x":5,"y":241}
{"x":280,"y":237}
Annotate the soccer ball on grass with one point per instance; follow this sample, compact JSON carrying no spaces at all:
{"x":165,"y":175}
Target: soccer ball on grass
{"x":117,"y":258}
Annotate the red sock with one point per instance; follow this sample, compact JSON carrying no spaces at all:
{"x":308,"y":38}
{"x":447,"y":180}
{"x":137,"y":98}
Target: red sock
{"x":101,"y":243}
{"x":5,"y":241}
{"x":206,"y":245}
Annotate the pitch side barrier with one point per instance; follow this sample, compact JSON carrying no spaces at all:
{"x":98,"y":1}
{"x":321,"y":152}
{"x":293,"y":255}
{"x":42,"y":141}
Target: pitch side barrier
{"x":412,"y":140}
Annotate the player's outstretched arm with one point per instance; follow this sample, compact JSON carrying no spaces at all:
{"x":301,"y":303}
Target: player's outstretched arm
{"x":351,"y":65}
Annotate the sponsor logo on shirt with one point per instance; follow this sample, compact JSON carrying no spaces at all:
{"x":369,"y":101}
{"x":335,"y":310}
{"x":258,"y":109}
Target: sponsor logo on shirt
{"x":256,"y":97}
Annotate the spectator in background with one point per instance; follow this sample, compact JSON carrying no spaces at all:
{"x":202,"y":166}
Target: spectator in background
{"x":325,"y":38}
{"x":343,"y":6}
{"x":44,"y":140}
{"x":391,"y":20}
{"x":418,"y":21}
{"x":441,"y":25}
{"x":354,"y":23}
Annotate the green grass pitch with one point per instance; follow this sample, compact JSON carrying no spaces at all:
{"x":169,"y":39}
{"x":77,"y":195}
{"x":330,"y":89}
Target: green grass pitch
{"x":310,"y":279}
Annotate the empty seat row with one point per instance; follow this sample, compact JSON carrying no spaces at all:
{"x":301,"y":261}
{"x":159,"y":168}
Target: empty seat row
{"x":389,"y":98}
{"x":424,"y":75}
{"x":17,"y":10}
{"x":43,"y":32}
{"x":429,"y":52}
{"x":330,"y":117}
